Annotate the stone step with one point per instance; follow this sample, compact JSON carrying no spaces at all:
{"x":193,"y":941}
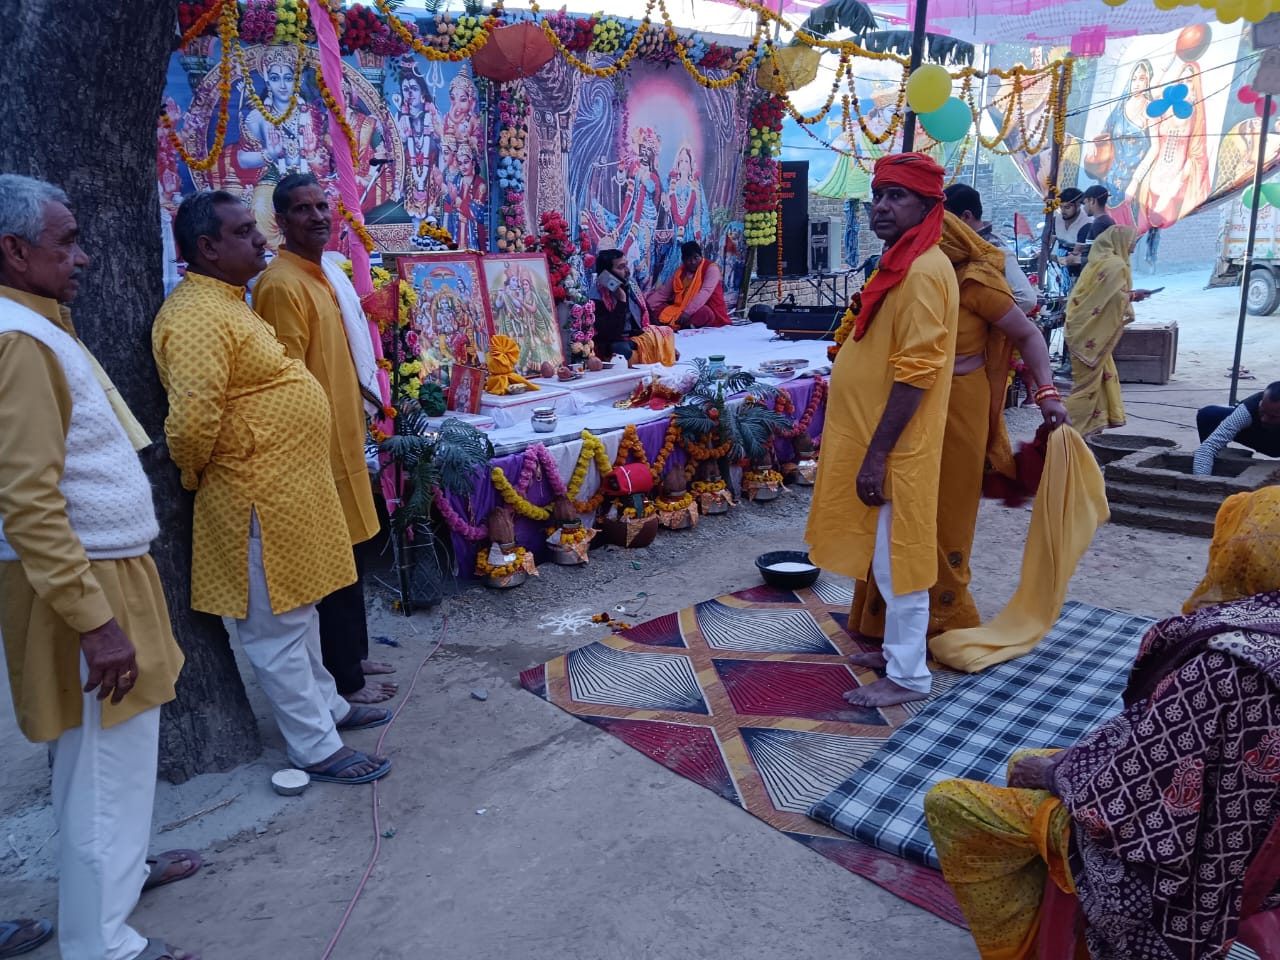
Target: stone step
{"x":1167,"y":519}
{"x":1199,"y":503}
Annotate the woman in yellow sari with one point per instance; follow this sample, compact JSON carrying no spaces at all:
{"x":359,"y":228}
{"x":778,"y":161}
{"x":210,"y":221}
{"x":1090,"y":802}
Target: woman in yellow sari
{"x":992,"y":326}
{"x":1099,"y":308}
{"x":1136,"y":817}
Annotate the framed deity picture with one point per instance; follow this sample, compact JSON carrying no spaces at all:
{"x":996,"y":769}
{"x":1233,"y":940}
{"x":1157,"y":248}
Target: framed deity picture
{"x":466,"y":384}
{"x":449,"y":323}
{"x":518,"y":292}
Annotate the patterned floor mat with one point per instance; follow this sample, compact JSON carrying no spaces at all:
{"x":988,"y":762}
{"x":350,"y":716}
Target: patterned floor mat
{"x":742,"y":694}
{"x":1049,"y":698}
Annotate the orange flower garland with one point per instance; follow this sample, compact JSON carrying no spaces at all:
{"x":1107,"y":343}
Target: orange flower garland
{"x":630,"y":444}
{"x":200,"y":25}
{"x":338,"y":112}
{"x":674,"y":435}
{"x":357,"y":227}
{"x":227,"y":30}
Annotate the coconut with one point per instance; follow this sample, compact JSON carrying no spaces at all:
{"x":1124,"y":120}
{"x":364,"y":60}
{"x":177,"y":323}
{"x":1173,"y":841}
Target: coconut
{"x":562,"y":511}
{"x":502,"y":525}
{"x":593,"y":363}
{"x":674,"y":485}
{"x":548,"y":369}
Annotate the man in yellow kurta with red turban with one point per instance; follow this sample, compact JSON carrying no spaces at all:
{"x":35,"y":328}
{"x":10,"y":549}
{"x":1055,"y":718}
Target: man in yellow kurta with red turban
{"x":875,"y":500}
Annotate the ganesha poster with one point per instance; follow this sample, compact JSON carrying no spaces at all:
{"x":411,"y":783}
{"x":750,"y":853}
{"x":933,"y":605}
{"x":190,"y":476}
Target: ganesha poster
{"x":642,"y":162}
{"x":419,"y":127}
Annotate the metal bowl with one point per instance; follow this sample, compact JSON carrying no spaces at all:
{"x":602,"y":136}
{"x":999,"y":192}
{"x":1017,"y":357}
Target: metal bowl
{"x":290,"y":782}
{"x":787,"y":579}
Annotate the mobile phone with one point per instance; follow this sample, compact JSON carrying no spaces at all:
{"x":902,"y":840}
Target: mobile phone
{"x":607,"y":280}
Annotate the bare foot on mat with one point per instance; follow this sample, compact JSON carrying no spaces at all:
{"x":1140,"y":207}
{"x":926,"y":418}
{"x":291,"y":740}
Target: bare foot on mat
{"x":373,"y":692}
{"x":873,"y":659}
{"x":373,"y":668}
{"x":883,"y":693}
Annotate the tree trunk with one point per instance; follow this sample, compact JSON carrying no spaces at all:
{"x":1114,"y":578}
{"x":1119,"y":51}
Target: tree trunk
{"x":83,"y":83}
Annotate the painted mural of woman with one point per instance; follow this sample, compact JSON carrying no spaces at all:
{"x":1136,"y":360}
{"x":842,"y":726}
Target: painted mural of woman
{"x":1177,"y":179}
{"x":1118,"y":151}
{"x":419,"y":124}
{"x":686,"y":203}
{"x":294,"y":146}
{"x":465,"y":198}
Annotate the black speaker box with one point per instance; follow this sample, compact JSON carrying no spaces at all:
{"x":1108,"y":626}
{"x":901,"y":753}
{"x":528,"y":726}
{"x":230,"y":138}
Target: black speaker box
{"x":805,"y":322}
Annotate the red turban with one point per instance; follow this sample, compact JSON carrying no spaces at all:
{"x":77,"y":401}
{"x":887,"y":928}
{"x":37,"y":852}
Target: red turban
{"x":919,"y":174}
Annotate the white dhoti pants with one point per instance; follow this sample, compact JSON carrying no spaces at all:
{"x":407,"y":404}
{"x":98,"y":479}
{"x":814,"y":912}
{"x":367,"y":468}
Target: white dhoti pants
{"x":104,"y":788}
{"x":284,"y":649}
{"x":906,"y":617}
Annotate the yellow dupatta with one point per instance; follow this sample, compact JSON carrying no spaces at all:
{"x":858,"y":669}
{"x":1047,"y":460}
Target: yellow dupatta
{"x":1244,"y":557}
{"x":684,"y":291}
{"x":976,"y":261}
{"x":1099,"y":306}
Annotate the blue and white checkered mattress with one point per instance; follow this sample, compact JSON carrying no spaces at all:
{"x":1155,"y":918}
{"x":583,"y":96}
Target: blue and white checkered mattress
{"x":1049,"y":698}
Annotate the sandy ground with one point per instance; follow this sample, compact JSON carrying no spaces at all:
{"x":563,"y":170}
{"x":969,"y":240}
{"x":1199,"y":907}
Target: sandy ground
{"x":509,"y":828}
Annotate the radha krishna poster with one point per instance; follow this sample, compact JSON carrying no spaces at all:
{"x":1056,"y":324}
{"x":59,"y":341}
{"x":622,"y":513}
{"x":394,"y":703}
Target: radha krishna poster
{"x":519,"y":298}
{"x":449,"y":322}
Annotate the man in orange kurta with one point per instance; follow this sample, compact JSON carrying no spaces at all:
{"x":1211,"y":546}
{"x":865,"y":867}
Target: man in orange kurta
{"x":694,"y":296}
{"x":297,"y":295}
{"x":876,"y":497}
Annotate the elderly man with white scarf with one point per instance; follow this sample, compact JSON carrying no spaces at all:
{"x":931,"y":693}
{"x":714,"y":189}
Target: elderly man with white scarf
{"x":315,"y":312}
{"x":87,"y":639}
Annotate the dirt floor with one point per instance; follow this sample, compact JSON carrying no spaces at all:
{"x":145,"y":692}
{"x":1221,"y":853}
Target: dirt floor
{"x":507,"y":828}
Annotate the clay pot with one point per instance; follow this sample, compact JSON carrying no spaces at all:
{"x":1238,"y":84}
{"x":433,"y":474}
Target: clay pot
{"x":630,"y":533}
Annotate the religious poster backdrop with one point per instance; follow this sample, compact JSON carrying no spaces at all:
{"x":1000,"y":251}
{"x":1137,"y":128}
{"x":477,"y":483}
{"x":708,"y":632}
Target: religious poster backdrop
{"x":450,"y":321}
{"x":420,"y":130}
{"x":641,"y":162}
{"x":1156,"y":120}
{"x":519,"y":299}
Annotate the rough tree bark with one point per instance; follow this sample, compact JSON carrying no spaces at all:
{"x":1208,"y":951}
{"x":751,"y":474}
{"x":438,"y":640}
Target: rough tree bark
{"x":82,"y":83}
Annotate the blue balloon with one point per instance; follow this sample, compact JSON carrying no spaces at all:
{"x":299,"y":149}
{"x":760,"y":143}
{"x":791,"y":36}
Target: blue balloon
{"x":1182,"y":110}
{"x":1176,"y":92}
{"x":949,"y":122}
{"x":1156,"y":107}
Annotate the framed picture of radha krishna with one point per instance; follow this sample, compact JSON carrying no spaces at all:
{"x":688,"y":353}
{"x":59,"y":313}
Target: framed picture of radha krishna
{"x":449,"y":323}
{"x":518,"y":291}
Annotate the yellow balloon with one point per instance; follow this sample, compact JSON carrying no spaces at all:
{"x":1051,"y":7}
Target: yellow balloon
{"x":1114,"y":3}
{"x":1229,"y":11}
{"x":1256,"y":10}
{"x":1166,"y":4}
{"x":928,"y":88}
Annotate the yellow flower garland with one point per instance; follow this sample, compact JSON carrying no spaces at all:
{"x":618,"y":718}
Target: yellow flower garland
{"x":357,"y":228}
{"x":257,"y":101}
{"x":489,"y":24}
{"x":761,"y":476}
{"x":486,"y":569}
{"x":511,"y":496}
{"x":227,"y":31}
{"x":680,"y":503}
{"x":708,"y":486}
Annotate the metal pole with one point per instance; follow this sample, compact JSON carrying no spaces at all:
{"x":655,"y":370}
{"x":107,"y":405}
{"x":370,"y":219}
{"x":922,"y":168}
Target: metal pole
{"x":917,"y":55}
{"x":1055,"y":156}
{"x":982,"y":99}
{"x":1248,"y":250}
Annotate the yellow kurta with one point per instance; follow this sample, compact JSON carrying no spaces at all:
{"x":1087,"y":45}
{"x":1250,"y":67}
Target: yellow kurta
{"x":911,"y":340}
{"x":54,"y":592}
{"x":249,"y":429}
{"x":966,"y":444}
{"x":295,"y":298}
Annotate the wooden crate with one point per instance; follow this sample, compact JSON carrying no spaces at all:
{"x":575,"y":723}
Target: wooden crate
{"x":1147,"y":352}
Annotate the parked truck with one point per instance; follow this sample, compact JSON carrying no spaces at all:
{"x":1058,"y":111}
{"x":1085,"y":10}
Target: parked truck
{"x":1264,"y":276}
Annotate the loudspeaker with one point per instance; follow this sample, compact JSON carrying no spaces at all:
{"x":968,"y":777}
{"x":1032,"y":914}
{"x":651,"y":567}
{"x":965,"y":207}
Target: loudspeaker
{"x":795,"y":226}
{"x":819,"y":246}
{"x":805,"y":322}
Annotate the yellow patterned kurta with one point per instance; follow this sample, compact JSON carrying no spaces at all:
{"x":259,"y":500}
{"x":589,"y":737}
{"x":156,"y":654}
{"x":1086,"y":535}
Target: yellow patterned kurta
{"x":911,"y":340}
{"x":249,"y":429}
{"x":295,"y":298}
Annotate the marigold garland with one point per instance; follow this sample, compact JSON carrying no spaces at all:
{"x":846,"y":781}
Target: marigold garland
{"x":673,"y":436}
{"x":486,"y":569}
{"x":258,"y":103}
{"x":707,"y":486}
{"x":456,"y":523}
{"x":630,"y":445}
{"x":202,"y":23}
{"x":483,"y":31}
{"x":358,"y":228}
{"x":227,"y":34}
{"x":570,"y":536}
{"x":761,"y":476}
{"x":810,"y":410}
{"x":629,"y":513}
{"x":338,"y":112}
{"x":681,"y":502}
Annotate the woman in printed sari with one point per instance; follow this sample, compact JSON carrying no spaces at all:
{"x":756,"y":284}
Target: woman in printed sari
{"x":1099,"y":308}
{"x":991,"y":327}
{"x":1160,"y":820}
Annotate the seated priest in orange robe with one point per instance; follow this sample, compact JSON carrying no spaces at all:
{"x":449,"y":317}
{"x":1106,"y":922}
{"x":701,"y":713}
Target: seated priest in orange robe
{"x":694,"y":296}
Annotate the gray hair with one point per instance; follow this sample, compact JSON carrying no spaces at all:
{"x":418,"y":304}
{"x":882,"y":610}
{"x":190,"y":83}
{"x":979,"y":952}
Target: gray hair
{"x":198,"y":217}
{"x":22,"y":203}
